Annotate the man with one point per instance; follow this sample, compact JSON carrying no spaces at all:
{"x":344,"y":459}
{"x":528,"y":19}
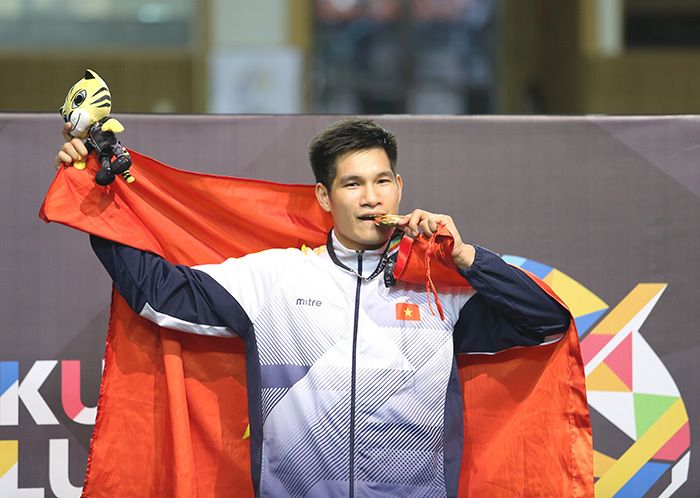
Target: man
{"x":352,"y":382}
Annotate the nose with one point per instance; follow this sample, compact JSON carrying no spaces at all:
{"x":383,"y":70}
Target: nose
{"x":370,"y":196}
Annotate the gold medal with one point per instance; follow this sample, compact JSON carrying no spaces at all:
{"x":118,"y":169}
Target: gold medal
{"x":387,"y":220}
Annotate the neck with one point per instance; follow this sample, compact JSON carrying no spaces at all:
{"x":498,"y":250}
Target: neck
{"x":347,"y":256}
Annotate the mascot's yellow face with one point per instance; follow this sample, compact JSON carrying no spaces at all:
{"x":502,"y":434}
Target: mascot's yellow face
{"x":87,"y":102}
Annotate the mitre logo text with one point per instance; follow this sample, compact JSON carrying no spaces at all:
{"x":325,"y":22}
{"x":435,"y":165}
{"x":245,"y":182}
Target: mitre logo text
{"x":309,"y":302}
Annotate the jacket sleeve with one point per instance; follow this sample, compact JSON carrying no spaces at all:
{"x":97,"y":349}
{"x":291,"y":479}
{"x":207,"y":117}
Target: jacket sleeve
{"x":508,"y":309}
{"x":172,"y":296}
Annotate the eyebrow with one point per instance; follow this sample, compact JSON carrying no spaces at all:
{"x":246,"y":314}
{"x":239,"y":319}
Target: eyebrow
{"x":349,"y":178}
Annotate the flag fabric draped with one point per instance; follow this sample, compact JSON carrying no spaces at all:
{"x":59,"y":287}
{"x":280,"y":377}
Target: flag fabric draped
{"x":172,"y":412}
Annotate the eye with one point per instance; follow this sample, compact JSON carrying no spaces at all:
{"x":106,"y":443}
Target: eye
{"x":79,"y":99}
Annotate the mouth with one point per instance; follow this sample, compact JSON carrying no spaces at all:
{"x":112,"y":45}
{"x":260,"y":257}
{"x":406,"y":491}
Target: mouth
{"x":380,"y":220}
{"x":370,"y":217}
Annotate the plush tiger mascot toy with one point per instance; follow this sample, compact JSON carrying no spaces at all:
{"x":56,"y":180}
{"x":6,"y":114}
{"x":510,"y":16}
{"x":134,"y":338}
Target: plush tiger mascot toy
{"x":86,"y":108}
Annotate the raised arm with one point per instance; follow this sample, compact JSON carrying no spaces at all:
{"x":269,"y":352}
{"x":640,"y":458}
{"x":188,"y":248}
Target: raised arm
{"x":509,"y":309}
{"x":173,"y":296}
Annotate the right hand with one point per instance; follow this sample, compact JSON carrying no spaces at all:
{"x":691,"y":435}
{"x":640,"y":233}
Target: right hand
{"x":72,"y":150}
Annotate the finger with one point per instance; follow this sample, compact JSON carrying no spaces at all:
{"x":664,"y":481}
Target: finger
{"x":452,"y":228}
{"x":62,"y":158}
{"x":402,"y":224}
{"x":412,"y":224}
{"x":442,"y":219}
{"x":79,"y":146}
{"x":403,"y":220}
{"x":427,"y":225}
{"x":66,"y":131}
{"x":413,"y":221}
{"x":70,"y":150}
{"x":430,"y":225}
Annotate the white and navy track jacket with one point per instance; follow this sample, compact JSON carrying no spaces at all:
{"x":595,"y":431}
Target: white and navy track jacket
{"x":345,"y":397}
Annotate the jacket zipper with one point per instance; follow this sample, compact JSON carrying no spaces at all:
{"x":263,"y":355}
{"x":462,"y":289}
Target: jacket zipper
{"x":352,"y":381}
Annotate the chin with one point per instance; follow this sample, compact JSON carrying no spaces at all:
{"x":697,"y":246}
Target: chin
{"x":375,"y":241}
{"x":362,"y":238}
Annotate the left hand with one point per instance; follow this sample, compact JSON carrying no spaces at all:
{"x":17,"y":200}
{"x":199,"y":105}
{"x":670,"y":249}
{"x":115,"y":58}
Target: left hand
{"x":422,"y":222}
{"x":72,"y":151}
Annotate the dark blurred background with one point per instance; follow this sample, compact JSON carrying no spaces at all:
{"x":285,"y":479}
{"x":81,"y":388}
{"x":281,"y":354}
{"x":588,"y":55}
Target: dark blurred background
{"x":357,"y":56}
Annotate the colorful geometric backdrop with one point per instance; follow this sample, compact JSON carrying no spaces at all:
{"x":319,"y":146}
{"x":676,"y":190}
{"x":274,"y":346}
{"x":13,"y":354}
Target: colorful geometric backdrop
{"x":641,"y":432}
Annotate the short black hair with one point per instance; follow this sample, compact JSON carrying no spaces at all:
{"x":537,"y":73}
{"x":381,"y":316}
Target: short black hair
{"x":343,"y":137}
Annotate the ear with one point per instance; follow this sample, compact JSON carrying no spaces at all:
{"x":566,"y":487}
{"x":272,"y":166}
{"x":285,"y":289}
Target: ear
{"x":323,"y":197}
{"x":399,"y":182}
{"x":89,"y":74}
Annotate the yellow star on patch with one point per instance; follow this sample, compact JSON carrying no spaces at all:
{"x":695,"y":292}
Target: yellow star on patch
{"x":407,"y":312}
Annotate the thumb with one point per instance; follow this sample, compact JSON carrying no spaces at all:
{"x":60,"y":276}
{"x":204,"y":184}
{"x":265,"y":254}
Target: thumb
{"x":67,"y":127}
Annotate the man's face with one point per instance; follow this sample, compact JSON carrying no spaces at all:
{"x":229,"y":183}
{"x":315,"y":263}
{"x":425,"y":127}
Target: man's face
{"x":364,"y":187}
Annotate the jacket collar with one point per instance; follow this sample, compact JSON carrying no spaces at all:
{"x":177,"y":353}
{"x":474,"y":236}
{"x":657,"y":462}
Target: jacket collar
{"x":372,"y":260}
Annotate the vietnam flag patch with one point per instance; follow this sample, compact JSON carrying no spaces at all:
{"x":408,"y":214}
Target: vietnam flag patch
{"x":407,"y":311}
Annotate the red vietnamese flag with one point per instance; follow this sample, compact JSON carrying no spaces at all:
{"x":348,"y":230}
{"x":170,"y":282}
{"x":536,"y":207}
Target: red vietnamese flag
{"x":407,"y":311}
{"x":172,"y":411}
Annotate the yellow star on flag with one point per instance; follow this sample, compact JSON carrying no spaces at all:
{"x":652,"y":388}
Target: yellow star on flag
{"x":407,"y":311}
